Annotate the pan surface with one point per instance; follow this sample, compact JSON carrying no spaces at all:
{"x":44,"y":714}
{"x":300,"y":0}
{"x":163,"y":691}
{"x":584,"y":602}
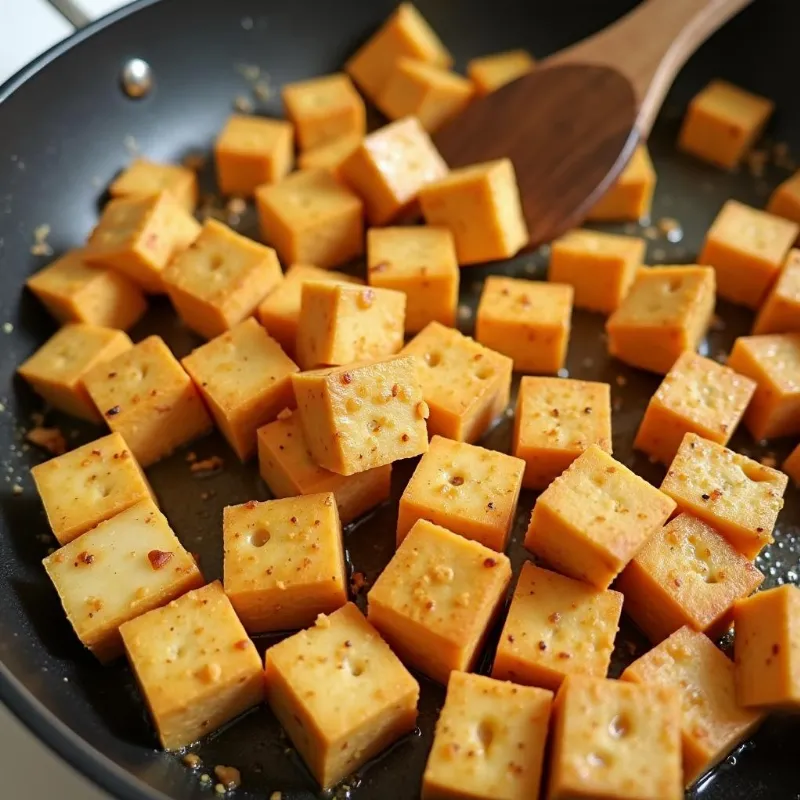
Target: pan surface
{"x":66,"y":129}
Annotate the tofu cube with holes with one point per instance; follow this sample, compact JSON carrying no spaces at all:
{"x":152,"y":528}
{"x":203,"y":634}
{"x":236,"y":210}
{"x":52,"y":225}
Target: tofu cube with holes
{"x":194,"y":665}
{"x":556,"y":419}
{"x":431,"y":94}
{"x":489,"y":741}
{"x":556,"y":626}
{"x":780,"y":312}
{"x":340,"y":693}
{"x":74,"y":291}
{"x":126,"y":566}
{"x":221,"y":279}
{"x":666,"y":312}
{"x":699,"y":396}
{"x":785,"y":199}
{"x":139,"y":236}
{"x":89,"y":485}
{"x":465,"y":384}
{"x":747,"y":249}
{"x":767,"y":649}
{"x":283,"y":561}
{"x":773,"y":362}
{"x":143,"y":178}
{"x":631,"y":194}
{"x":341,"y":323}
{"x":528,"y":321}
{"x":145,"y":395}
{"x":362,"y":416}
{"x":288,"y":469}
{"x":330,"y":156}
{"x":593,"y":519}
{"x":712,"y":721}
{"x":615,"y":740}
{"x":390,"y":167}
{"x":56,"y":371}
{"x":488,"y":73}
{"x":421,"y":262}
{"x":437,"y":598}
{"x":279,"y":312}
{"x":311,"y":218}
{"x":686,"y":574}
{"x":405,"y":33}
{"x":246,"y":381}
{"x":737,"y":496}
{"x":601,"y":267}
{"x":251,"y":151}
{"x":481,"y":205}
{"x":466,"y":489}
{"x":324,"y":110}
{"x":723,"y":122}
{"x":792,"y":465}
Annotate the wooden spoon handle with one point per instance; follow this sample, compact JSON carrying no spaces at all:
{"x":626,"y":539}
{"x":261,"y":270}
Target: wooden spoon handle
{"x":650,"y":44}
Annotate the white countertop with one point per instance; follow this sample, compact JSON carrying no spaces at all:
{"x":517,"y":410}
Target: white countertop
{"x":27,"y":28}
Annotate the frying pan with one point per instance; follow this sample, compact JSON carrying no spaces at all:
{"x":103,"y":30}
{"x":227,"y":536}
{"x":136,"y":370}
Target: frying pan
{"x":66,"y":128}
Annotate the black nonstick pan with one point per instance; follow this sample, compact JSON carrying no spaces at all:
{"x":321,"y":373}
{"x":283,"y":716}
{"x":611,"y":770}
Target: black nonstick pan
{"x":66,"y":128}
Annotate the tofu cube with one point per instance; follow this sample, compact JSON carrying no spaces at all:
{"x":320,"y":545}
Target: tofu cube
{"x":405,"y":33}
{"x":767,"y":648}
{"x":390,"y":167}
{"x":431,"y":94}
{"x":773,"y":362}
{"x":251,"y":151}
{"x":601,"y":267}
{"x":488,"y":73}
{"x":324,"y":110}
{"x":145,"y":178}
{"x":139,"y":236}
{"x":311,"y":218}
{"x":437,"y":598}
{"x":785,"y":199}
{"x":556,"y":419}
{"x":283,"y":561}
{"x":667,"y":311}
{"x":126,"y":566}
{"x":481,"y":206}
{"x":363,"y":416}
{"x":421,"y":262}
{"x":245,"y":379}
{"x":340,"y":693}
{"x":723,"y":122}
{"x":465,"y":384}
{"x":556,"y":626}
{"x":740,"y":498}
{"x":88,"y":485}
{"x":593,"y":519}
{"x":279,"y":312}
{"x":631,"y":194}
{"x":73,"y":291}
{"x":528,"y":321}
{"x":489,"y":741}
{"x":288,"y":469}
{"x":145,"y":395}
{"x":221,"y":279}
{"x":56,"y":371}
{"x":341,"y":323}
{"x":697,"y":395}
{"x":612,"y":739}
{"x":747,"y":249}
{"x":712,"y":721}
{"x":194,"y":665}
{"x":686,"y":574}
{"x":792,"y":465}
{"x":330,"y":156}
{"x":780,"y":312}
{"x":466,"y":489}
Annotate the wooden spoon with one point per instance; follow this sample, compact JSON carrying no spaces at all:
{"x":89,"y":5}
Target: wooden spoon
{"x":571,"y":125}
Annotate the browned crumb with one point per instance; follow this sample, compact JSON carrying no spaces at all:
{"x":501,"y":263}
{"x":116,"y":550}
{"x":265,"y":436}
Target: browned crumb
{"x":769,"y":460}
{"x":49,"y":439}
{"x":16,"y":489}
{"x":213,"y":464}
{"x":286,"y":413}
{"x":229,"y":777}
{"x":358,"y":582}
{"x":650,"y":232}
{"x":235,"y":207}
{"x":192,"y":760}
{"x":262,"y":90}
{"x":40,"y":245}
{"x":756,"y":161}
{"x":250,"y":72}
{"x":244,"y":105}
{"x":191,"y":457}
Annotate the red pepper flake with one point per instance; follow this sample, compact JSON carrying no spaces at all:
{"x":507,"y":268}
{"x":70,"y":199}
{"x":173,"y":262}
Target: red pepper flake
{"x":242,"y":644}
{"x":395,"y":390}
{"x":347,"y":377}
{"x":489,"y":562}
{"x":587,"y":410}
{"x":404,"y":437}
{"x":776,"y":648}
{"x":293,"y":520}
{"x":510,"y":638}
{"x":563,"y":655}
{"x":348,"y":643}
{"x":490,"y":506}
{"x":158,"y":558}
{"x":85,"y":558}
{"x":555,"y":617}
{"x":706,"y":496}
{"x":542,"y":645}
{"x":112,"y":412}
{"x":250,"y":504}
{"x":51,"y":440}
{"x":96,"y":453}
{"x":554,"y":413}
{"x":759,"y":530}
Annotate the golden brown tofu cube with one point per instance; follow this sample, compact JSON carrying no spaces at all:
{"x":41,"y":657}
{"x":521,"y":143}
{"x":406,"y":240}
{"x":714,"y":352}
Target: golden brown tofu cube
{"x":330,"y":156}
{"x":144,"y":178}
{"x":631,"y":195}
{"x":491,"y":72}
{"x":780,"y":312}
